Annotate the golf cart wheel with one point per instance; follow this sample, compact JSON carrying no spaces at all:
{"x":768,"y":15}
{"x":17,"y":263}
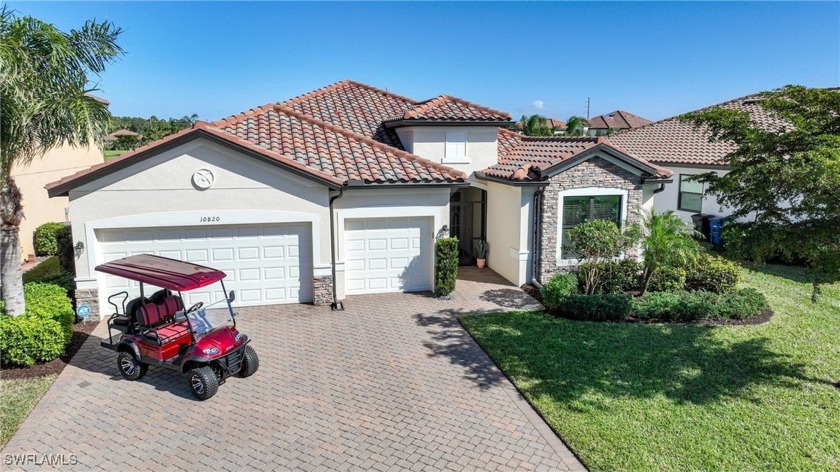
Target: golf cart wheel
{"x":250,"y":362}
{"x":130,"y":367}
{"x":203,"y":382}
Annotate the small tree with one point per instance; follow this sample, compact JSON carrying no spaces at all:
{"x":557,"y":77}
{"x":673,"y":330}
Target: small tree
{"x":596,"y":242}
{"x":575,"y":126}
{"x":535,"y":125}
{"x":668,"y":242}
{"x":786,"y":172}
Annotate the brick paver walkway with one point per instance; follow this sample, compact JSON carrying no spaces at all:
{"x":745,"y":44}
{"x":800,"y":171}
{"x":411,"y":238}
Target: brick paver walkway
{"x":391,"y":383}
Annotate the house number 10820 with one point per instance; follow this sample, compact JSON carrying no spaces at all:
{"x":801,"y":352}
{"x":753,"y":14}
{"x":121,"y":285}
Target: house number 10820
{"x":209,"y":219}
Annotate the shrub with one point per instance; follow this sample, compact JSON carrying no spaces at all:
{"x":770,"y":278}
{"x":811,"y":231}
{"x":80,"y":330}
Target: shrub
{"x":45,"y":239}
{"x":48,"y":301}
{"x":25,"y":340}
{"x":598,"y":307}
{"x":744,"y":303}
{"x":561,"y":286}
{"x":446,"y":265}
{"x":695,"y":306}
{"x":66,"y":253}
{"x":668,"y":242}
{"x":667,"y":279}
{"x":621,"y":276}
{"x":713,"y":274}
{"x":596,"y":242}
{"x":656,"y":305}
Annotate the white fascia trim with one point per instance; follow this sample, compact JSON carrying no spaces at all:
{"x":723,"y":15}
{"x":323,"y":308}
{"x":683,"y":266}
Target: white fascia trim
{"x":193,"y":218}
{"x":584,"y":192}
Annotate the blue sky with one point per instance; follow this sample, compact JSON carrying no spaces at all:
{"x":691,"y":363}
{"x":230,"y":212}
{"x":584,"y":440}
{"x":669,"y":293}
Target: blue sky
{"x":652,"y":59}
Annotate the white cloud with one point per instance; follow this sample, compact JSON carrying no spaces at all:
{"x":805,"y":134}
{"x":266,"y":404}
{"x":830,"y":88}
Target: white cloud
{"x":538,"y":104}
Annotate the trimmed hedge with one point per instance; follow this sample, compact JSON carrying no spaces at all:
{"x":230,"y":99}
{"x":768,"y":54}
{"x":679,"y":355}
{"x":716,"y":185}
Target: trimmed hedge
{"x":66,"y":253}
{"x":558,"y":288}
{"x":597,"y":307}
{"x":50,"y":301}
{"x":25,"y":340}
{"x":446,"y":265}
{"x":665,"y":306}
{"x":45,"y":239}
{"x":41,"y":333}
{"x":712,"y":274}
{"x":667,"y":279}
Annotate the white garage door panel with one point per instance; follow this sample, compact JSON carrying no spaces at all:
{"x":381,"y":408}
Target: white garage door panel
{"x":387,"y":255}
{"x":265,"y":264}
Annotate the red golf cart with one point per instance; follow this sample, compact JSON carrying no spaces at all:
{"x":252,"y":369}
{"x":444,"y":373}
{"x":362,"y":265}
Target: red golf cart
{"x":200,"y":341}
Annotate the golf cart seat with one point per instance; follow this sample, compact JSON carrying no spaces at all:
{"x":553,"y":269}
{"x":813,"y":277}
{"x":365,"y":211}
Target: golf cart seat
{"x":159,"y":320}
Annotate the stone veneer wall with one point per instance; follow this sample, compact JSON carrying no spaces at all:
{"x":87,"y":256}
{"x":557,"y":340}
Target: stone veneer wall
{"x":322,"y":293}
{"x":90,"y":297}
{"x":595,"y":172}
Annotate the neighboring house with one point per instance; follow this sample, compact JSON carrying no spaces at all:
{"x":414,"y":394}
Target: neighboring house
{"x":38,"y":207}
{"x":343,"y":190}
{"x":558,"y":125}
{"x":614,"y":122}
{"x":687,"y":151}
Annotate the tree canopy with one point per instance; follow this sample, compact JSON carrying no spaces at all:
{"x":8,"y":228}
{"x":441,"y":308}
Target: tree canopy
{"x":535,"y":125}
{"x":785,"y":175}
{"x":45,"y":102}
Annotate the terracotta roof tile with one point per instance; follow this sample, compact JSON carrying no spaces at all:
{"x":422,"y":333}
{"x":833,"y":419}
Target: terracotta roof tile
{"x":617,"y":120}
{"x":526,"y":157}
{"x":354,"y":106}
{"x":671,"y":141}
{"x":449,"y":108}
{"x":336,"y":151}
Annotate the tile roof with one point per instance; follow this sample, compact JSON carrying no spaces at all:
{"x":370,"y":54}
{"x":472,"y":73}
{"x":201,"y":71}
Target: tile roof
{"x":449,"y":108}
{"x":331,"y":149}
{"x":617,"y":120}
{"x":671,"y":141}
{"x":354,"y":106}
{"x":524,"y":158}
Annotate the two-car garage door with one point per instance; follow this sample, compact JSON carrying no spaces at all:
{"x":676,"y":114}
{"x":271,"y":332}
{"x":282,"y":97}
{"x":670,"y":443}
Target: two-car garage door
{"x":265,"y":264}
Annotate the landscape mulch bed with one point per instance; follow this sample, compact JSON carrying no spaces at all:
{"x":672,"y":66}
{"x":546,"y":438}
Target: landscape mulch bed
{"x":81,"y":331}
{"x":761,"y":318}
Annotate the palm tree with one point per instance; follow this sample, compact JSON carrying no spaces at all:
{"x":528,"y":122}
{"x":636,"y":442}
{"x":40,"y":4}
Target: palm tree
{"x":44,"y":103}
{"x":668,"y":241}
{"x":575,"y":126}
{"x":535,"y":125}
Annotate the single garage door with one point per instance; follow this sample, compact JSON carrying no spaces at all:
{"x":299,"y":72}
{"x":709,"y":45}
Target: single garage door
{"x":388,"y":255}
{"x":265,"y":264}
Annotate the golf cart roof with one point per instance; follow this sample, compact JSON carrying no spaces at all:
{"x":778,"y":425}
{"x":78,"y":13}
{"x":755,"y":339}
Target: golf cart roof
{"x":162,"y":272}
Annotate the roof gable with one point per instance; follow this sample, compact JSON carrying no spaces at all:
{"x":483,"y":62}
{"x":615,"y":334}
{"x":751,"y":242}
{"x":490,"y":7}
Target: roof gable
{"x":617,"y":120}
{"x":449,"y":109}
{"x":534,"y":158}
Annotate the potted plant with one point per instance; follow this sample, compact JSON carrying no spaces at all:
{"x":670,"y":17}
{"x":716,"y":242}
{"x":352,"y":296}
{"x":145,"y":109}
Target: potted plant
{"x":481,"y":247}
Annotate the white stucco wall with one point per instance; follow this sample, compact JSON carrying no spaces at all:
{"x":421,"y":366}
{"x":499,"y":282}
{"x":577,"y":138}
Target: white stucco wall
{"x":159,"y":191}
{"x":432,"y":203}
{"x":430,"y":142}
{"x":509,"y":214}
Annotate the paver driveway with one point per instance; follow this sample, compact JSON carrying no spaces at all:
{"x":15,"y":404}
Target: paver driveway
{"x":391,"y":383}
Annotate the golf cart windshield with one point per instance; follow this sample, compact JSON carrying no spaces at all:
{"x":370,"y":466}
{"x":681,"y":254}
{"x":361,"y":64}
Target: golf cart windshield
{"x":210,"y":317}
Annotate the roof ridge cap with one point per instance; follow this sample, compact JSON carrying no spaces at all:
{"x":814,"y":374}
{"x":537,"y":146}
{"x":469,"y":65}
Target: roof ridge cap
{"x":370,"y":141}
{"x":338,"y":85}
{"x":382,"y":91}
{"x":238,"y":117}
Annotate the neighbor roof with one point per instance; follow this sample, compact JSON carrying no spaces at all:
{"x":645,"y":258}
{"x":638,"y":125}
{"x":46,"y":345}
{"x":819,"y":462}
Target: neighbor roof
{"x":446,"y":108}
{"x":672,"y":141}
{"x":527,"y":158}
{"x":617,"y":120}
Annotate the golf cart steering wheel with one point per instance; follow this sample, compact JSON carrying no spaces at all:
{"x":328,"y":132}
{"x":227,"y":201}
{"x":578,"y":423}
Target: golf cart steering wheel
{"x":195,"y":307}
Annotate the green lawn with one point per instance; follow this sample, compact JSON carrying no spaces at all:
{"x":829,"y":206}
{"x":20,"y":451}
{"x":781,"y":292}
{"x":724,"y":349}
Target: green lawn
{"x":17,"y":398}
{"x":657,"y":397}
{"x":108,"y":154}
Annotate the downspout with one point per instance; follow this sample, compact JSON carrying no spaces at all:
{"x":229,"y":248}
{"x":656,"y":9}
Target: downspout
{"x":336,"y":305}
{"x":536,"y":264}
{"x":661,"y":188}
